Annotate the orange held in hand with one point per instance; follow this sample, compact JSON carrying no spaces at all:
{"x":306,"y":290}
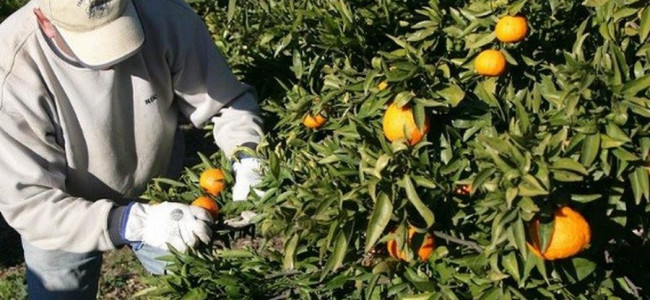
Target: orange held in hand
{"x":212,"y":181}
{"x":399,"y":121}
{"x":208,"y":204}
{"x":314,"y":122}
{"x":425,"y":250}
{"x":490,"y":63}
{"x":571,"y":235}
{"x":511,"y":29}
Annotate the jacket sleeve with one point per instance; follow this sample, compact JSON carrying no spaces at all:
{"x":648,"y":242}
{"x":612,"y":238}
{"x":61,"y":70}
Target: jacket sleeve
{"x":33,"y":168}
{"x":209,"y":91}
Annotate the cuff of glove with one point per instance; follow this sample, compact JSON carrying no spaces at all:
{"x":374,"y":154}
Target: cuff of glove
{"x":116,"y":217}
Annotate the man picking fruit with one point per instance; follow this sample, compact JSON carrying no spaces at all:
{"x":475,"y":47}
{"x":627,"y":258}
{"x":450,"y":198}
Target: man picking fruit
{"x":90,"y":97}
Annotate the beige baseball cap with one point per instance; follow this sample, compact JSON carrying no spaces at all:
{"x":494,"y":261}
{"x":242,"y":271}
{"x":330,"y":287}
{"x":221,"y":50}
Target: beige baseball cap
{"x":100,"y":33}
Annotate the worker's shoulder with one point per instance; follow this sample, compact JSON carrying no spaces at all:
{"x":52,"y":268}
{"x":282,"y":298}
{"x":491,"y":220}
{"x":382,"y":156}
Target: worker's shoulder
{"x":17,"y":35}
{"x":15,"y":32}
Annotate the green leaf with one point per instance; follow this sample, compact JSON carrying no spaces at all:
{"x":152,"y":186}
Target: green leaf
{"x":616,"y":133}
{"x":403,"y":98}
{"x":545,"y":234}
{"x":639,"y":184}
{"x":531,"y":187}
{"x":606,"y":142}
{"x":298,"y":68}
{"x":290,"y":252}
{"x":631,"y":88}
{"x":340,"y":249}
{"x":495,"y":143}
{"x":412,"y":195}
{"x":235,"y":253}
{"x":645,"y":24}
{"x":567,"y":176}
{"x":424,"y":296}
{"x":232,"y":5}
{"x":170,"y":182}
{"x":511,"y":193}
{"x":624,"y":12}
{"x":284,"y":42}
{"x":583,"y":267}
{"x":420,"y":117}
{"x":481,"y":41}
{"x":274,"y":165}
{"x":625,"y":155}
{"x":481,"y":178}
{"x":453,"y":94}
{"x":380,"y":217}
{"x":590,"y":149}
{"x":511,"y":265}
{"x":594,"y":3}
{"x":570,"y":164}
{"x":207,"y":164}
{"x":422,"y":283}
{"x":195,"y":294}
{"x":585,"y":198}
{"x":519,"y":231}
{"x":492,"y":294}
{"x":381,"y":163}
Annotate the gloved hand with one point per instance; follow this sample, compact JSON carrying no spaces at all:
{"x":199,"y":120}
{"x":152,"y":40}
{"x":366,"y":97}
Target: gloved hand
{"x":248,"y":173}
{"x":180,"y":225}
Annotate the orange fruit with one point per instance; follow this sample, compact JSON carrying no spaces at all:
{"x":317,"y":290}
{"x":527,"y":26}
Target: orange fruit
{"x":425,"y":250}
{"x":399,"y":120}
{"x":511,"y":29}
{"x":314,"y":121}
{"x":490,"y":63}
{"x":212,"y":181}
{"x":571,"y":235}
{"x":208,"y":204}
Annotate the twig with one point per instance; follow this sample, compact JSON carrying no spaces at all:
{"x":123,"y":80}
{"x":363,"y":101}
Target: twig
{"x":282,"y":296}
{"x":452,"y":239}
{"x":285,"y":295}
{"x":283,"y":274}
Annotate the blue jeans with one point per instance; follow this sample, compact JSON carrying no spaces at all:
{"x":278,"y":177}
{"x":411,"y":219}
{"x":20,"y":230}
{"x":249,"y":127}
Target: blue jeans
{"x":54,"y":274}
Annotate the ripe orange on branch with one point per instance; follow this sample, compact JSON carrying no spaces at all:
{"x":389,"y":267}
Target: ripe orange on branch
{"x":399,"y":123}
{"x":208,"y":204}
{"x":490,"y":63}
{"x":425,"y":250}
{"x":314,"y":122}
{"x":212,"y":181}
{"x":571,"y":234}
{"x":511,"y":29}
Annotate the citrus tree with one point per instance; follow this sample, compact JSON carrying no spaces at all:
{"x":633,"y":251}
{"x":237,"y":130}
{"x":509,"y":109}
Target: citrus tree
{"x":434,"y":150}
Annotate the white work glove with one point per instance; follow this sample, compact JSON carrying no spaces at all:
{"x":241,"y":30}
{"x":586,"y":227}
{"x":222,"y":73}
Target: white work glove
{"x":248,"y":173}
{"x":180,"y":225}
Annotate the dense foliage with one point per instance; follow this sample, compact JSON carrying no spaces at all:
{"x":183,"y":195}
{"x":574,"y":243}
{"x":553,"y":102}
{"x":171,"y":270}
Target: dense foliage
{"x":567,"y":124}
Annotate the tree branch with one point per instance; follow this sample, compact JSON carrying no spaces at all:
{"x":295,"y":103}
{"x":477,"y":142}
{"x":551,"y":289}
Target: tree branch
{"x":449,"y":238}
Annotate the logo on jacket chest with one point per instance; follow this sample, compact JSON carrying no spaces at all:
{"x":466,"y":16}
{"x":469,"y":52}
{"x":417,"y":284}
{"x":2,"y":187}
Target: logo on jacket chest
{"x":151,"y":99}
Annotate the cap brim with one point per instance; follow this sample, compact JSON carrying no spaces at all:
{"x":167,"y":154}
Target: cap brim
{"x":109,"y":44}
